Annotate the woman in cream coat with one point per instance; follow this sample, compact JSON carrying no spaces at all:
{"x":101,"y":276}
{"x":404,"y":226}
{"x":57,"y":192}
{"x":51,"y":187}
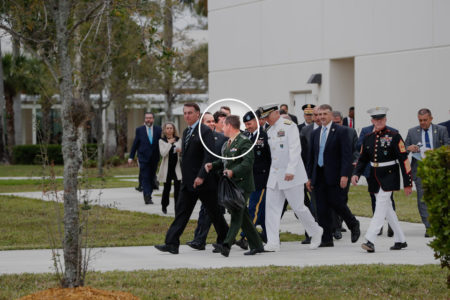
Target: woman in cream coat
{"x":169,"y":169}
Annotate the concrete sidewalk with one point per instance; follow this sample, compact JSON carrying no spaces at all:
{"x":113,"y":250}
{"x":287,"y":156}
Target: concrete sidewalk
{"x":291,"y":254}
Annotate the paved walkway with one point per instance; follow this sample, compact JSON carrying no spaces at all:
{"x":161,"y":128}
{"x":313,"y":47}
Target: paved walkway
{"x":291,"y":254}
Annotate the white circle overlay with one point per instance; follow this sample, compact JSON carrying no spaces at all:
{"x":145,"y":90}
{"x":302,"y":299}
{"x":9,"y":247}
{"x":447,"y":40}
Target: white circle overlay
{"x":227,"y":100}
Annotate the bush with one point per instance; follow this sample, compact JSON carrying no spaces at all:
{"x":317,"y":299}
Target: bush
{"x":435,"y":175}
{"x":31,"y":154}
{"x":115,"y":161}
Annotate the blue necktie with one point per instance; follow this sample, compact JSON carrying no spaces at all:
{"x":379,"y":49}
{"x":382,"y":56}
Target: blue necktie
{"x":427,"y":139}
{"x":323,"y":140}
{"x":150,"y":137}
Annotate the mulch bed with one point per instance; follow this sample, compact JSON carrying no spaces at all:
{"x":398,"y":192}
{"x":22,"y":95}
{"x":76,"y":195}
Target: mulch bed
{"x":79,"y":293}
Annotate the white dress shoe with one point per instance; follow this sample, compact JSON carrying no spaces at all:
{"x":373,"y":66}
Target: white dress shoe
{"x":316,"y":239}
{"x":271,"y":248}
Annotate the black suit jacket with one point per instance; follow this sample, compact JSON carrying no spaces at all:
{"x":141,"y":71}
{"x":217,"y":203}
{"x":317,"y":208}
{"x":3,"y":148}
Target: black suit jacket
{"x":293,"y":118}
{"x":337,"y":156}
{"x":194,"y":157}
{"x":147,"y":153}
{"x":346,"y":120}
{"x":446,"y":124}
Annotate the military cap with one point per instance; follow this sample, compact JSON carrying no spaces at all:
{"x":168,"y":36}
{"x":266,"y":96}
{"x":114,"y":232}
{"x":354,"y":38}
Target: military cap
{"x":248,"y":116}
{"x":378,"y":112}
{"x":267,"y":109}
{"x":308,"y":109}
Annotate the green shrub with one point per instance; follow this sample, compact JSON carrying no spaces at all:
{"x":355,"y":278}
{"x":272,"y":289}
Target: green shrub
{"x":115,"y":161}
{"x":435,"y":175}
{"x":32,"y":154}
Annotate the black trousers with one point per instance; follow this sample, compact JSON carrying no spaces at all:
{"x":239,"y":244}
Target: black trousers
{"x":183,"y":211}
{"x":147,"y":173}
{"x":166,"y":191}
{"x":329,"y":198}
{"x":203,"y":225}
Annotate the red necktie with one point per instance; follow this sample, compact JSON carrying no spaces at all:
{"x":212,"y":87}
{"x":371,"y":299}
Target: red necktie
{"x":351,"y":123}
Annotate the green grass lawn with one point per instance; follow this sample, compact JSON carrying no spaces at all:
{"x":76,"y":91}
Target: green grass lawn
{"x":29,"y":223}
{"x":38,"y":170}
{"x":327,"y":282}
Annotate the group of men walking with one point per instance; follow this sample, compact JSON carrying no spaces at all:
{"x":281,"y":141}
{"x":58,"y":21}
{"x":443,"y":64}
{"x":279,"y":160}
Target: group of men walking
{"x":309,"y":166}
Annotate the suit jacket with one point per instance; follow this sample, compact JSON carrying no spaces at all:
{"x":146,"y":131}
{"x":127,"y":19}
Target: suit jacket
{"x":194,"y":157}
{"x":219,"y":140}
{"x":353,"y":137}
{"x":147,"y":153}
{"x":345,"y":122}
{"x":261,"y":166}
{"x":294,"y":119}
{"x":337,"y":156}
{"x":447,"y":125}
{"x":242,"y":167}
{"x":440,"y":138}
{"x":305,"y":141}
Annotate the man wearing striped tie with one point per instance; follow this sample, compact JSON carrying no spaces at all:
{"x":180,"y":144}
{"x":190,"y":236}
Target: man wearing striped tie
{"x":426,"y":136}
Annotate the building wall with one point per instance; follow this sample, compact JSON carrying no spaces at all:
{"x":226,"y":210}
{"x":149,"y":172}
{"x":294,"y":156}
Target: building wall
{"x":396,"y":52}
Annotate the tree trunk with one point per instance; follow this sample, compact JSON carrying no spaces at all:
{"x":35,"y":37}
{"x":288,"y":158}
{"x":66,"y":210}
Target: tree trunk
{"x":71,"y":243}
{"x":121,"y":125}
{"x":99,"y":134}
{"x":10,"y":135}
{"x":17,"y":104}
{"x":168,"y":44}
{"x":2,"y":105}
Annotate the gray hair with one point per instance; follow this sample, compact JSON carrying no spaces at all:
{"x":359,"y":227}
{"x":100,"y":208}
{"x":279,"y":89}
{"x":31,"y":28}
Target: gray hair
{"x":424,"y":111}
{"x":337,"y":114}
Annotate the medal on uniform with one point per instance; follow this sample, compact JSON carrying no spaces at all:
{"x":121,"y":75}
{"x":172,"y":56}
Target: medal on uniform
{"x":281,"y":133}
{"x":258,"y":152}
{"x":233,"y":150}
{"x":385,"y":153}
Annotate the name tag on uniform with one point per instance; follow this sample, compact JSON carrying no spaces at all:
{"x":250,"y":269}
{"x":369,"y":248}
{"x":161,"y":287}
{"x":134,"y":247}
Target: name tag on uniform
{"x":281,"y":133}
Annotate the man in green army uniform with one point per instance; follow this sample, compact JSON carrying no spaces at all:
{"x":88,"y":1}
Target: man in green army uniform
{"x":240,"y":170}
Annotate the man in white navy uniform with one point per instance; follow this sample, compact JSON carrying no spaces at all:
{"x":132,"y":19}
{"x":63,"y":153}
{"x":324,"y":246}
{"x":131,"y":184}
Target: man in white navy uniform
{"x":286,"y":179}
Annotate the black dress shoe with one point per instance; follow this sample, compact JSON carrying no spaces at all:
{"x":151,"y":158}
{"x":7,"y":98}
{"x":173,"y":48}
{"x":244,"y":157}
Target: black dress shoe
{"x":369,"y":247}
{"x":337,"y":234}
{"x":216,"y":248}
{"x":139,"y":188}
{"x":254,"y":251}
{"x":242,"y":243}
{"x":164,"y":210}
{"x":148,"y":199}
{"x":222,"y":249}
{"x":195,"y":245}
{"x":381,"y":231}
{"x":355,"y":233}
{"x":399,"y":246}
{"x":306,"y":241}
{"x":326,"y":244}
{"x":390,"y":231}
{"x":167,"y":248}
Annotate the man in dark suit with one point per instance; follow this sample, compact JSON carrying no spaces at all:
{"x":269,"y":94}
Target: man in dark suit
{"x":353,"y":138}
{"x":447,"y":125}
{"x":350,"y":120}
{"x":364,"y":132}
{"x":204,"y":221}
{"x":196,"y":184}
{"x":286,"y":109}
{"x":146,"y":143}
{"x":422,"y":138}
{"x":329,"y":169}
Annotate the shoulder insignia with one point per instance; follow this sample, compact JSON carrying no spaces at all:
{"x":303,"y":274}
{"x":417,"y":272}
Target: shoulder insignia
{"x":401,"y":146}
{"x":287,"y":122}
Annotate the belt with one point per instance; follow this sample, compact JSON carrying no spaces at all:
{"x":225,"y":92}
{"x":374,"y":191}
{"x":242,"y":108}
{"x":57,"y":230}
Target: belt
{"x":383,"y":164}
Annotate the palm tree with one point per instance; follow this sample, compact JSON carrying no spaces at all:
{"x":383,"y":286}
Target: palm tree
{"x":18,"y":77}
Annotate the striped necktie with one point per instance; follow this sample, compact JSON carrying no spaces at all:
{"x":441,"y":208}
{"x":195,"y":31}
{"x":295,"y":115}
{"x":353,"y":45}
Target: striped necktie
{"x":188,"y":136}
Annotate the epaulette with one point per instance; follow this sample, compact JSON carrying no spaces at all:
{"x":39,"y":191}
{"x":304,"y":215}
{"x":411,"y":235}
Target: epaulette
{"x":287,"y":122}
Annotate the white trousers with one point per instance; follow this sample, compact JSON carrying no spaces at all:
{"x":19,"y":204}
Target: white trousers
{"x":384,"y":210}
{"x":274,"y":207}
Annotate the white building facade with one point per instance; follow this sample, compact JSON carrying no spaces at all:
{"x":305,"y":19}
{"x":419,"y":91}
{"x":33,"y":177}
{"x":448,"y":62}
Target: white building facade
{"x":393,"y":53}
